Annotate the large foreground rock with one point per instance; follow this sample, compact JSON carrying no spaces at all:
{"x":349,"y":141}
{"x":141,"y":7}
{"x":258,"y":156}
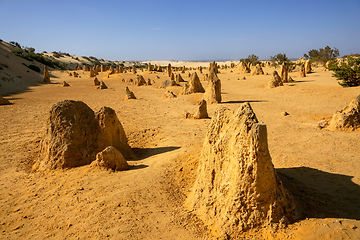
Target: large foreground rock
{"x":237,"y":187}
{"x":75,"y":134}
{"x":348,"y":118}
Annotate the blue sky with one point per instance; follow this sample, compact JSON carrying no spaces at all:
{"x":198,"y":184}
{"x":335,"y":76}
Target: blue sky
{"x":182,"y":30}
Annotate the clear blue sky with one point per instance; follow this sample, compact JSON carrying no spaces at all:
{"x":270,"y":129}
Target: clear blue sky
{"x":182,"y":30}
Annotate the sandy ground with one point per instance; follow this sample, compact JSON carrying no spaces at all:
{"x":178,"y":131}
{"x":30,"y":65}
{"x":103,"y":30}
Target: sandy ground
{"x":320,"y":168}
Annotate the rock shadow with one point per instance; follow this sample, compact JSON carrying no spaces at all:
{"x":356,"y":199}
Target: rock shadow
{"x":320,"y":194}
{"x":142,"y":153}
{"x":239,"y":102}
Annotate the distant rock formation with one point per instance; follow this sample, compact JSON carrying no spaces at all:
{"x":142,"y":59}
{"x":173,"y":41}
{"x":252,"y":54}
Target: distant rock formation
{"x":150,"y":67}
{"x":237,"y":187}
{"x":96,"y":82}
{"x":129,"y":94}
{"x":169,"y":70}
{"x":168,"y":83}
{"x":257,"y":70}
{"x":275,"y":81}
{"x":169,"y":94}
{"x":140,"y":80}
{"x":307,"y":66}
{"x":243,"y":68}
{"x":213,"y":65}
{"x":347,"y":119}
{"x":75,"y":134}
{"x":46,"y":77}
{"x":212,"y":93}
{"x":302,"y":71}
{"x":193,"y":86}
{"x":202,"y":110}
{"x":285,"y":72}
{"x":179,"y":79}
{"x":102,"y":85}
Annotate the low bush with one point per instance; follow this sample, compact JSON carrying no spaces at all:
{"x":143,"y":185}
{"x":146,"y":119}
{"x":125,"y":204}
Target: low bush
{"x":34,"y":68}
{"x":347,"y":72}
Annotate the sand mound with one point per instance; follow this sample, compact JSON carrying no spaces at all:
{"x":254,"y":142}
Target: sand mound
{"x":213,"y":90}
{"x":193,"y":86}
{"x":110,"y":158}
{"x":237,"y":187}
{"x":75,"y":134}
{"x":348,"y":118}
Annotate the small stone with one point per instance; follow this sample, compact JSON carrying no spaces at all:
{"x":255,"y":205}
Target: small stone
{"x":284,"y":114}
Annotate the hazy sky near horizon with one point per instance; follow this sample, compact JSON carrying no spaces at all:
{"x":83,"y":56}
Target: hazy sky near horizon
{"x":182,"y":30}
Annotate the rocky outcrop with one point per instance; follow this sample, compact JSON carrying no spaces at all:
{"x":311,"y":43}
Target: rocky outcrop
{"x":65,"y":84}
{"x":75,"y":134}
{"x":110,"y":158}
{"x":243,"y":68}
{"x":169,"y":70}
{"x":168,"y":83}
{"x":169,"y":94}
{"x":237,"y":187}
{"x":96,"y":82}
{"x":46,"y":77}
{"x":285,"y":72}
{"x":347,"y":119}
{"x":257,"y":70}
{"x":302,"y":71}
{"x":140,"y":80}
{"x":212,"y":93}
{"x":307,"y":66}
{"x":275,"y":81}
{"x":179,"y":79}
{"x":193,"y":86}
{"x":202,"y":110}
{"x":129,"y":94}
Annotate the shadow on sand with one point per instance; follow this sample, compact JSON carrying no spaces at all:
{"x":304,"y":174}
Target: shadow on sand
{"x":142,"y":153}
{"x":320,"y":194}
{"x":250,"y":101}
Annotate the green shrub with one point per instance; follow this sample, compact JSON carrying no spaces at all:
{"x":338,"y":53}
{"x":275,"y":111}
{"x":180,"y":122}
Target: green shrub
{"x":253,"y":59}
{"x":34,"y":68}
{"x":347,"y":72}
{"x":279,"y":58}
{"x":322,"y":55}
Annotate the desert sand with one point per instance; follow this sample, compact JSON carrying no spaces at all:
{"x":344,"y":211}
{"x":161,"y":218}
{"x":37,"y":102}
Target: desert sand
{"x":320,"y":168}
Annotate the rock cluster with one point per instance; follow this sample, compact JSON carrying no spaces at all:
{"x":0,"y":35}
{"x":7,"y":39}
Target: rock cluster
{"x":75,"y":134}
